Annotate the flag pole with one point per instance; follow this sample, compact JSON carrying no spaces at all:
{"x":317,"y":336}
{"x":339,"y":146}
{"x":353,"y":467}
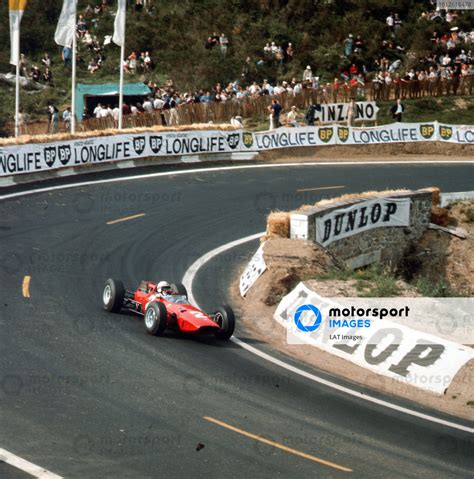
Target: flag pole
{"x":17,"y":81}
{"x":122,"y":59}
{"x":73,"y":80}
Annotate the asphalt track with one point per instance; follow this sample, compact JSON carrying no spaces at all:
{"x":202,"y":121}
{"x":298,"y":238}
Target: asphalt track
{"x":87,"y":394}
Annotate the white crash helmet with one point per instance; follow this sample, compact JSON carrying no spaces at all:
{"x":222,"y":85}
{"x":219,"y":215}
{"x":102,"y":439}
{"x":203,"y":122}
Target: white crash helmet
{"x":163,"y":285}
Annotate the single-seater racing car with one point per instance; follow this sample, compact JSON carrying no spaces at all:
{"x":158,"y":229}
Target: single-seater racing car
{"x":164,"y":305}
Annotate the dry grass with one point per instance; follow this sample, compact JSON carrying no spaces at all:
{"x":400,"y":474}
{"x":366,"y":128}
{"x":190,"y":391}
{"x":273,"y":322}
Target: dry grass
{"x":278,"y":225}
{"x":354,"y":196}
{"x":24,"y":139}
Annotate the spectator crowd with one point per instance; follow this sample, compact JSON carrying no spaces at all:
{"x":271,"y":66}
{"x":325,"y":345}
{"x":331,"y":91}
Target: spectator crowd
{"x":394,"y":67}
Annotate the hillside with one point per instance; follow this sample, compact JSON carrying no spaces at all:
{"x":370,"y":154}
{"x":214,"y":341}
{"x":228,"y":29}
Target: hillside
{"x":175,"y":34}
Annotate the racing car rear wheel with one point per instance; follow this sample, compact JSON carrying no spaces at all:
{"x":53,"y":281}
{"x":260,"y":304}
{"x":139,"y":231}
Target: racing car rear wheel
{"x":155,"y":318}
{"x":180,"y":289}
{"x":112,"y":297}
{"x":225,"y":318}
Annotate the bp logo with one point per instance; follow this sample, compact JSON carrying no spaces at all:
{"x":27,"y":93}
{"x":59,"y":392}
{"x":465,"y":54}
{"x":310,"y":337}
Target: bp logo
{"x":139,"y":144}
{"x":233,"y":140}
{"x":247,"y":138}
{"x":427,"y":131}
{"x":445,"y":132}
{"x":309,"y":311}
{"x":343,"y":133}
{"x":156,"y":142}
{"x":325,"y":134}
{"x":64,"y":154}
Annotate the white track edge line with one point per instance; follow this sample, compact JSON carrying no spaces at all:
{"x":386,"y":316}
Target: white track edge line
{"x":188,"y":279}
{"x":224,"y":168}
{"x":26,"y":466}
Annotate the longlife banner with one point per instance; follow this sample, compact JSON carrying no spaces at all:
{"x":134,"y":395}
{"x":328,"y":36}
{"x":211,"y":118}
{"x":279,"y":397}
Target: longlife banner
{"x":36,"y":157}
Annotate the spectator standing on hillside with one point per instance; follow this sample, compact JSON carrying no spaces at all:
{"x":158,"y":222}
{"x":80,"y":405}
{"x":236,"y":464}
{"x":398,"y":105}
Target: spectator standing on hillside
{"x":147,"y":61}
{"x":67,"y":56}
{"x":292,"y":117}
{"x":22,"y":123}
{"x":132,"y":62}
{"x":67,"y":117}
{"x":54,"y":119}
{"x":46,"y":61}
{"x":307,"y":74}
{"x":290,"y":52}
{"x":224,"y":43}
{"x":47,"y":76}
{"x":390,"y":22}
{"x":358,"y":44}
{"x":310,"y":116}
{"x":397,"y":110}
{"x":97,"y":110}
{"x":81,"y":26}
{"x":209,"y":43}
{"x":24,"y":65}
{"x":148,"y":106}
{"x":35,"y":74}
{"x":348,"y":44}
{"x":275,"y":110}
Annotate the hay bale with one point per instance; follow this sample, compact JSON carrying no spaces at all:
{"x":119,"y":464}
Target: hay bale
{"x":48,"y":138}
{"x":435,"y":195}
{"x":352,"y":196}
{"x":278,"y":225}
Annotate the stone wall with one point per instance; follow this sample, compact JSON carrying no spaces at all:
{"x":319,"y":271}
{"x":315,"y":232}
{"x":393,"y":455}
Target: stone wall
{"x":382,"y":244}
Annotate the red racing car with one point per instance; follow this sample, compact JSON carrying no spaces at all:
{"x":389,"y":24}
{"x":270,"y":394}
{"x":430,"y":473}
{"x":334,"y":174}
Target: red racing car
{"x":165,"y":305}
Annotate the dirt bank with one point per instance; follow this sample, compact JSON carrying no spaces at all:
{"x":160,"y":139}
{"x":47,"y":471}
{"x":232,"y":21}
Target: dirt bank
{"x":288,"y":264}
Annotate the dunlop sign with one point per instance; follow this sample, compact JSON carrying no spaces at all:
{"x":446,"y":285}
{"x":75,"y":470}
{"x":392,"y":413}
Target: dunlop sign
{"x":374,"y":213}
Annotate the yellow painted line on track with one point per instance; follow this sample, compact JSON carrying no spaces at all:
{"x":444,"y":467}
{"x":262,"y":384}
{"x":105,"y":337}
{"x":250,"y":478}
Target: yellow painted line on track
{"x":278,"y":445}
{"x":26,"y":286}
{"x":127,"y":218}
{"x":322,"y":188}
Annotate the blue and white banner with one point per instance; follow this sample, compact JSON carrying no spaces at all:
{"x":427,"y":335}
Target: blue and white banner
{"x":35,"y":157}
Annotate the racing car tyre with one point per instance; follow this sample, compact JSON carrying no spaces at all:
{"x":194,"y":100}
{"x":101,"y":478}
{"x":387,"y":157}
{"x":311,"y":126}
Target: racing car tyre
{"x":155,"y":318}
{"x":180,"y":289}
{"x":113,"y":295}
{"x":224,"y":316}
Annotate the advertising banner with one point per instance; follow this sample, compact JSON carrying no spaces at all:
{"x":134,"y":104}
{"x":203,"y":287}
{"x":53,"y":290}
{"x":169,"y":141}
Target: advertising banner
{"x":370,"y":214}
{"x":375,"y":334}
{"x":35,"y":157}
{"x":456,"y":133}
{"x":253,"y":271}
{"x":334,"y":112}
{"x":290,"y":138}
{"x":393,"y":133}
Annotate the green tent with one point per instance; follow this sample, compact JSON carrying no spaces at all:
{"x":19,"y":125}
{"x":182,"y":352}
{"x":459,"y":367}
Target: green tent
{"x":90,"y":95}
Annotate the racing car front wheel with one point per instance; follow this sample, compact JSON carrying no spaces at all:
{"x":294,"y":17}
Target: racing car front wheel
{"x":225,"y":318}
{"x":112,"y":297}
{"x":179,"y":289}
{"x":155,"y":318}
